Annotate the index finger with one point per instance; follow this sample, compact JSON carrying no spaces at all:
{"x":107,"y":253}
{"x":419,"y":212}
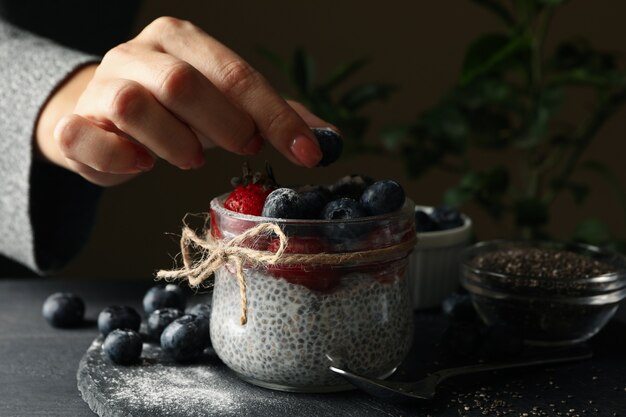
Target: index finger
{"x":275,"y":120}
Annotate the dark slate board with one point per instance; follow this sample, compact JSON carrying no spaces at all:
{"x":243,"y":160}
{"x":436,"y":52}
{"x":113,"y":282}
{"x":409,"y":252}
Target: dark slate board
{"x":158,"y":387}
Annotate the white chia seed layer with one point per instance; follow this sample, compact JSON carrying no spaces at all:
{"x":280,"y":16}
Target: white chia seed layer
{"x":291,"y":328}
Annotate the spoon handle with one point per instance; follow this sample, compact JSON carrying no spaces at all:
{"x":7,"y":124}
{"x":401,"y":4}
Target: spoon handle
{"x":556,"y":357}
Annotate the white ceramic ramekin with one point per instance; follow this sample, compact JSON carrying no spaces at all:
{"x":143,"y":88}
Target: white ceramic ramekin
{"x":434,"y":265}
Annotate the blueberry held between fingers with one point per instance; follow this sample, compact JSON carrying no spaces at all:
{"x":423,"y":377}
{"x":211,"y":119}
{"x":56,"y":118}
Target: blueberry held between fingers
{"x":330,"y":143}
{"x":159,"y":320}
{"x":382,"y":197}
{"x":118,"y":317}
{"x":158,"y":297}
{"x":284,"y":203}
{"x":186,"y":338}
{"x":63,"y":309}
{"x":123,"y":346}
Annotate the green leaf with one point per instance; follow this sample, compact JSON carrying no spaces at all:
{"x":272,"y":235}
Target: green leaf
{"x":342,"y":73}
{"x":394,"y":137}
{"x":456,"y":197}
{"x":494,"y":52}
{"x":593,"y":231}
{"x":548,"y":104}
{"x":303,"y":71}
{"x":278,"y":61}
{"x":358,"y":96}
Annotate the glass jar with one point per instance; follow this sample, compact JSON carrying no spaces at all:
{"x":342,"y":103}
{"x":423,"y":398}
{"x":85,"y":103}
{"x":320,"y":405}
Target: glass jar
{"x":547,"y":311}
{"x":358,"y":308}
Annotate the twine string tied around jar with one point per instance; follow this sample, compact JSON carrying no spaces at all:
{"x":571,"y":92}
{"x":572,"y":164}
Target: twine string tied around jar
{"x":212,"y":254}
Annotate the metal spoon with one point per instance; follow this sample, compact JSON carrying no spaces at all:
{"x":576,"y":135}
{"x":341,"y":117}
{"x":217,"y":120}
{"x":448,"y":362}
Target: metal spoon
{"x":425,"y":388}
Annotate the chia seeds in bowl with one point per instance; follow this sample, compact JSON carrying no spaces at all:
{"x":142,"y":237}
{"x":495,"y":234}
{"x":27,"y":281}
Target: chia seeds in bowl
{"x":552,"y":293}
{"x":297,"y":314}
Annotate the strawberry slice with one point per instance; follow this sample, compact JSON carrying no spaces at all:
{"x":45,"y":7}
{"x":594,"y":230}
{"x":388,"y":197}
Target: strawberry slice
{"x":316,"y":278}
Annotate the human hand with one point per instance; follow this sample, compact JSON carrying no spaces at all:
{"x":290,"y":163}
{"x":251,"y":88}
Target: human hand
{"x":169,"y":93}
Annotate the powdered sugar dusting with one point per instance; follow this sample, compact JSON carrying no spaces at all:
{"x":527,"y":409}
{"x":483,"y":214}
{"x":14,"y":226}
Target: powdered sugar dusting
{"x":159,"y":387}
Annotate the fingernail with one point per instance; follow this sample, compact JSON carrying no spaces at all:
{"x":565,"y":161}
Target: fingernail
{"x":254,"y":146}
{"x":306,"y":150}
{"x":198,"y":161}
{"x":144,"y":161}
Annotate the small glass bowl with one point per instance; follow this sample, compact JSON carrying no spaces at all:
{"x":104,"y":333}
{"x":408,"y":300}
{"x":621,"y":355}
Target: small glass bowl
{"x":297,"y":314}
{"x":546,"y":311}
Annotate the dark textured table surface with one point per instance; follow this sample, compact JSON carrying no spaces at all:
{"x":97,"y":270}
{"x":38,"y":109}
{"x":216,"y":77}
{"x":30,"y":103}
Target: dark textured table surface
{"x":38,"y":364}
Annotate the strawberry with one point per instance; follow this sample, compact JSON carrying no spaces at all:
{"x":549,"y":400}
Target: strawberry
{"x":317,"y":278}
{"x":250,"y":192}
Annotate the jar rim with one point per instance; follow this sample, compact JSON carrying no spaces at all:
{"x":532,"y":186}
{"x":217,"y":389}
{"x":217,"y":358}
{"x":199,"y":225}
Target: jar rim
{"x":217,"y":205}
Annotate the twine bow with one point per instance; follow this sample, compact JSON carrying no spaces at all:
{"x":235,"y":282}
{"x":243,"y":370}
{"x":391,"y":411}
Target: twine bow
{"x":218,"y":253}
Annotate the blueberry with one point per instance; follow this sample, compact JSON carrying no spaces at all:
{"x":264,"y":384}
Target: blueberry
{"x":382,"y":197}
{"x":331,"y":145}
{"x":351,"y":186}
{"x":202,"y":309}
{"x":313,"y":201}
{"x":459,"y":307}
{"x":63,"y":309}
{"x":186,"y":338}
{"x":501,"y":341}
{"x":159,"y":320}
{"x":122,"y":347}
{"x":159,"y":297}
{"x":284,"y":203}
{"x":425,"y":223}
{"x":118,"y":317}
{"x":343,"y":209}
{"x":447,"y":217}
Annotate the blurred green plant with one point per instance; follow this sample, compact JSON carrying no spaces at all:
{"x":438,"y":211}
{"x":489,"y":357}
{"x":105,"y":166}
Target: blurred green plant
{"x":508,"y":101}
{"x":330,"y":98}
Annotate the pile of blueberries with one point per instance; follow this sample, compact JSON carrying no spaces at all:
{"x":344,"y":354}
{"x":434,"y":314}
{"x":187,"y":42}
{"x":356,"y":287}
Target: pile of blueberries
{"x":440,"y":218}
{"x":351,"y":197}
{"x":182,"y":335}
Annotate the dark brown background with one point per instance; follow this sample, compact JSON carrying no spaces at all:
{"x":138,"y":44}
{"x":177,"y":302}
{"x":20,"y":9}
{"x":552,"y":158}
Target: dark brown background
{"x":417,"y":45}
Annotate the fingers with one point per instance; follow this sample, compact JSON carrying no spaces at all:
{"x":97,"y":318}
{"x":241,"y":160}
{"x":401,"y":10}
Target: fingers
{"x":134,"y":111}
{"x":83,"y":142}
{"x":275,"y":120}
{"x":185,"y":92}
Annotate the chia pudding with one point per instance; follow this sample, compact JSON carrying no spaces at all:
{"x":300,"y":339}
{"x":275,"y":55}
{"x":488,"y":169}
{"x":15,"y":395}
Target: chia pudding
{"x":356,"y":308}
{"x":291,"y":328}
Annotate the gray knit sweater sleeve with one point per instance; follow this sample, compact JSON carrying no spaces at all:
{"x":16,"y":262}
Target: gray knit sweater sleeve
{"x":36,"y":200}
